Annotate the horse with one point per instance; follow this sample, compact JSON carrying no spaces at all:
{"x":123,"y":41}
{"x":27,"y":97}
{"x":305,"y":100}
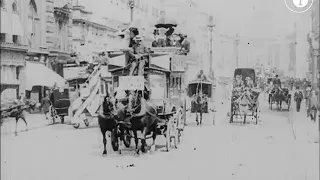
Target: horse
{"x":18,"y":111}
{"x":243,"y":103}
{"x":276,"y":96}
{"x":145,"y":121}
{"x":199,"y":103}
{"x":107,"y":122}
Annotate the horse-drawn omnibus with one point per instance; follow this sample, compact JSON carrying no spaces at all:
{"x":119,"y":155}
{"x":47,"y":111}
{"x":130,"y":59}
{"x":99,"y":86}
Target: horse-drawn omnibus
{"x":164,"y":88}
{"x":244,"y":100}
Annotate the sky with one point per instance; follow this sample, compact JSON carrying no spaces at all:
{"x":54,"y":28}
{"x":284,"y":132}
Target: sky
{"x":255,"y":18}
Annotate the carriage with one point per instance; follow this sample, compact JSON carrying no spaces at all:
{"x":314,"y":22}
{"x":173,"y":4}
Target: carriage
{"x":60,"y":100}
{"x":200,"y":91}
{"x":251,"y":106}
{"x":164,"y":85}
{"x":277,"y":96}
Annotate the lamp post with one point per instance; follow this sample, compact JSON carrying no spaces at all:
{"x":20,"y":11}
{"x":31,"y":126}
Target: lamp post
{"x":237,"y":49}
{"x":131,"y":6}
{"x":211,"y":25}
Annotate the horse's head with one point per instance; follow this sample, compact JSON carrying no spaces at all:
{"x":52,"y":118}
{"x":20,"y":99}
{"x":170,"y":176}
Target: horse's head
{"x":108,"y":105}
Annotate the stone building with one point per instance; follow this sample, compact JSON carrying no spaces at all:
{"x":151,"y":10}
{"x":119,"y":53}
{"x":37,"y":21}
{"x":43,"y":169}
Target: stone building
{"x":58,"y":33}
{"x":16,"y":41}
{"x":315,"y":58}
{"x":90,"y":38}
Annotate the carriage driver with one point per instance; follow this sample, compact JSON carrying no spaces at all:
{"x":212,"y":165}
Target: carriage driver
{"x":138,"y":56}
{"x":277,"y":83}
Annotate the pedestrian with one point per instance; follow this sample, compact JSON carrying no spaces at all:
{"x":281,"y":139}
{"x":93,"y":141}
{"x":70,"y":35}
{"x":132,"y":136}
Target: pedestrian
{"x":313,"y":105}
{"x":307,"y":97}
{"x":298,"y":97}
{"x":46,"y":104}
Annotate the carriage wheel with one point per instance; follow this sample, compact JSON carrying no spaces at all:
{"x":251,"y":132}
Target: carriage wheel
{"x":256,"y":116}
{"x":168,"y":135}
{"x":231,"y":113}
{"x":76,"y":125}
{"x":127,"y":138}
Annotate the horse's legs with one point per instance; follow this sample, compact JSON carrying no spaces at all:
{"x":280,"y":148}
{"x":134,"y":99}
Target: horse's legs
{"x":143,"y":140}
{"x":197,"y":118}
{"x":16,"y":132}
{"x":120,"y":137}
{"x":24,"y":119}
{"x":154,"y":136}
{"x":136,"y":140}
{"x":245,"y":117}
{"x":200,"y":117}
{"x":103,"y":132}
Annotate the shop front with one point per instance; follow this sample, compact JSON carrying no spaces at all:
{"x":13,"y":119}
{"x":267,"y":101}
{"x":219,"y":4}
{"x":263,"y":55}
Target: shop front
{"x":12,"y":71}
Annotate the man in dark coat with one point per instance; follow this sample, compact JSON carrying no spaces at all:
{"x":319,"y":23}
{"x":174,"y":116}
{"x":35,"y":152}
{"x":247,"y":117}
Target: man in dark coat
{"x":277,"y":81}
{"x":139,"y":55}
{"x":298,"y":97}
{"x":185,"y":44}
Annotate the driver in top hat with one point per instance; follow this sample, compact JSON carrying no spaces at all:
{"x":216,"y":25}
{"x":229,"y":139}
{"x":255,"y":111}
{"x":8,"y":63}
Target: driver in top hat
{"x":139,"y":56}
{"x":277,"y":82}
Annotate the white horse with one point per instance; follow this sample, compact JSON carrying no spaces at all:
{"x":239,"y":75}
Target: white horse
{"x":244,"y":101}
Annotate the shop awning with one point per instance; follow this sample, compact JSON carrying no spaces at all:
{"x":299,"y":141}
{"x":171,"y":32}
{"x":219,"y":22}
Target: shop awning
{"x":16,"y":25}
{"x":39,"y":75}
{"x":5,"y":23}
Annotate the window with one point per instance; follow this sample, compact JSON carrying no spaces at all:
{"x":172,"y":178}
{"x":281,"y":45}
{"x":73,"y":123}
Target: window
{"x":14,"y":7}
{"x":33,"y":25}
{"x":15,"y":39}
{"x":3,"y":37}
{"x":17,"y":72}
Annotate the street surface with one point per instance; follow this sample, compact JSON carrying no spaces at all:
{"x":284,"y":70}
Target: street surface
{"x":280,"y":147}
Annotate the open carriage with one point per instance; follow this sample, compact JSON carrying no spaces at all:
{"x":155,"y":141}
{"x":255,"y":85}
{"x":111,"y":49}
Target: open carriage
{"x":200,"y":91}
{"x":245,"y":99}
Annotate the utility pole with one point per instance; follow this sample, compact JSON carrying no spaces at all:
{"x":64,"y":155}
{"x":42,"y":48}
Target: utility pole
{"x":211,"y":25}
{"x":131,"y":6}
{"x":237,"y":49}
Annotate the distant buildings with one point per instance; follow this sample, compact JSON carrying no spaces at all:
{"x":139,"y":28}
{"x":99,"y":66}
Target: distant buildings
{"x":314,"y":65}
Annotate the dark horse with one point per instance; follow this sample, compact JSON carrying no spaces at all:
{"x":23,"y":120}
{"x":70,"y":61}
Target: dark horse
{"x":18,"y":112}
{"x":276,"y":96}
{"x":107,"y":122}
{"x":142,"y":117}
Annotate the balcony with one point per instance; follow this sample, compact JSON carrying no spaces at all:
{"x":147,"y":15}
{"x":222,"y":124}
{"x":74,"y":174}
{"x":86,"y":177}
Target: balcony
{"x":13,"y":46}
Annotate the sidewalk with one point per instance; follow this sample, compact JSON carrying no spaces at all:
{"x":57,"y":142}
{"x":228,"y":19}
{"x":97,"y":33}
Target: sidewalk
{"x":34,"y":121}
{"x":304,"y":129}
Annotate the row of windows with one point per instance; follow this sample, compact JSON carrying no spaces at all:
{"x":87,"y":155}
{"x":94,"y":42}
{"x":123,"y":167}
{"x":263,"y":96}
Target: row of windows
{"x":5,"y":38}
{"x":13,"y":6}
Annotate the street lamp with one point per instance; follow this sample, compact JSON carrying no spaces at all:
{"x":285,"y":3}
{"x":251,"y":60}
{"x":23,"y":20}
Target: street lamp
{"x":211,"y":25}
{"x":237,"y":49}
{"x":131,"y":6}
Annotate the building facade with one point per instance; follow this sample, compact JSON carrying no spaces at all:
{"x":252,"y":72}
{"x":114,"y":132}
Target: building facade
{"x":90,"y":38}
{"x":58,"y":18}
{"x":17,"y":43}
{"x":315,"y":50}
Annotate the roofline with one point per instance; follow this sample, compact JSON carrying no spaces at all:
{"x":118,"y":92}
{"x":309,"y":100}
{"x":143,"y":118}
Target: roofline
{"x":94,"y":24}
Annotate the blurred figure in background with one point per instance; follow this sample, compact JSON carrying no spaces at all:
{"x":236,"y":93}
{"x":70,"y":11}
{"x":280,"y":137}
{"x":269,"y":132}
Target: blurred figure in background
{"x":46,"y":105}
{"x":298,"y":97}
{"x":313,"y":105}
